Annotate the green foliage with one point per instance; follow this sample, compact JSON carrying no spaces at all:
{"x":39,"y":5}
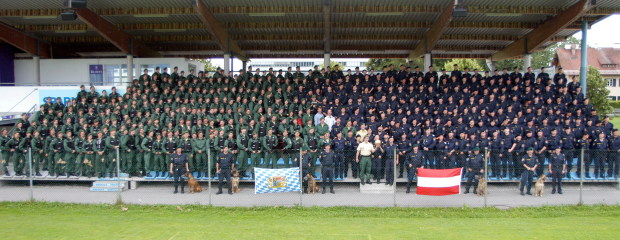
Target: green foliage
{"x":614,"y":104}
{"x":341,"y":65}
{"x":463,"y":63}
{"x":597,"y":92}
{"x":378,"y":63}
{"x":209,"y":67}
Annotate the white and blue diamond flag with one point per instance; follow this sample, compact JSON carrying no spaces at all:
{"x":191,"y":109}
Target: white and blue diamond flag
{"x":277,"y":180}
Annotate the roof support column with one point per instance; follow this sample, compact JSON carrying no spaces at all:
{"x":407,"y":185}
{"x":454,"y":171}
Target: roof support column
{"x":36,"y":62}
{"x":527,"y":61}
{"x":490,"y":64}
{"x":326,"y":60}
{"x":129,"y":69}
{"x":245,"y":65}
{"x":584,"y":57}
{"x":427,"y":61}
{"x":226,"y":63}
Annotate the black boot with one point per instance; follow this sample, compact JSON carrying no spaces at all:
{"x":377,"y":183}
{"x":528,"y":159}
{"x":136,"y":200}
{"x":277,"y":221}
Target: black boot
{"x":219,"y":192}
{"x":182,"y":190}
{"x":331,"y":190}
{"x":176,"y":190}
{"x":362,"y":182}
{"x":199,"y":175}
{"x":378,"y":180}
{"x":323,"y":191}
{"x":368,"y":181}
{"x":38,"y":174}
{"x":408,"y":190}
{"x":475,"y":188}
{"x":553,"y":191}
{"x":466,"y":191}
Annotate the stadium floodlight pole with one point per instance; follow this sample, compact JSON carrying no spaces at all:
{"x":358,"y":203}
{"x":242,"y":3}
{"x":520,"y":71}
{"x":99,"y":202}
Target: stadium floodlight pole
{"x":486,"y":173}
{"x":582,"y":172}
{"x":119,"y":199}
{"x":301,"y":180}
{"x":209,"y":170}
{"x":394,"y":176}
{"x":30,"y":174}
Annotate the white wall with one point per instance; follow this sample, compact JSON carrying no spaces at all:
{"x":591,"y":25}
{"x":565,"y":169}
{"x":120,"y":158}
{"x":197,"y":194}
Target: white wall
{"x":75,"y":71}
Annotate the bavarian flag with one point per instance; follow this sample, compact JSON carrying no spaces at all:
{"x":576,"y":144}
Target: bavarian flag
{"x":277,"y":180}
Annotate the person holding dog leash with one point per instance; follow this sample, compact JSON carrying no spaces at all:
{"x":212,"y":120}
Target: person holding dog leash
{"x":225,"y":163}
{"x":475,"y":167}
{"x":178,"y":168}
{"x":530,"y":162}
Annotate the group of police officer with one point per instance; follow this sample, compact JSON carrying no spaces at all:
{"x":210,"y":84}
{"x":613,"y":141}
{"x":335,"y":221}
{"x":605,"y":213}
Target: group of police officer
{"x":265,"y":116}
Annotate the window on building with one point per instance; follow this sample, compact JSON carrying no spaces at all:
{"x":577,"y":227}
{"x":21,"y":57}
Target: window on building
{"x":611,"y":82}
{"x":116,"y":74}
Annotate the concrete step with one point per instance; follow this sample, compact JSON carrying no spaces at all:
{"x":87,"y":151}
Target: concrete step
{"x":106,"y":184}
{"x":375,"y":188}
{"x":109,"y":186}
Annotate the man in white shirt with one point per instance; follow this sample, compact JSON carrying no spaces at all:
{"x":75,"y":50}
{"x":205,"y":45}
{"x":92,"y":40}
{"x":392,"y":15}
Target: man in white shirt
{"x":330,"y":120}
{"x":318,"y":116}
{"x":364,"y":150}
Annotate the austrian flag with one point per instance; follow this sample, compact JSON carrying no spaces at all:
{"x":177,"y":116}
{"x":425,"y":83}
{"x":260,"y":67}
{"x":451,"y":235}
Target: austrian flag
{"x":439,"y":182}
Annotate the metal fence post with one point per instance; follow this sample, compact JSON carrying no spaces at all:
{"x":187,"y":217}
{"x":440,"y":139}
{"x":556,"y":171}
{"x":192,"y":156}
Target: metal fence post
{"x":394,"y":170}
{"x":486,"y":173}
{"x":582,"y":172}
{"x":301,"y":180}
{"x":30,"y":173}
{"x":119,"y":199}
{"x":209,"y":171}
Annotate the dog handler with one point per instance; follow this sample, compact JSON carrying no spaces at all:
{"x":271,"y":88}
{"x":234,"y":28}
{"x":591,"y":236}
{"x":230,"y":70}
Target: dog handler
{"x":178,"y":168}
{"x":530,"y":162}
{"x":364,"y":149}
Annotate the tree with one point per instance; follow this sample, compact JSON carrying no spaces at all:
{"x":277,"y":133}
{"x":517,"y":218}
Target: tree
{"x":378,"y":63}
{"x":542,"y":58}
{"x":341,"y":66}
{"x":463,"y":63}
{"x":597,"y":92}
{"x":208,"y":65}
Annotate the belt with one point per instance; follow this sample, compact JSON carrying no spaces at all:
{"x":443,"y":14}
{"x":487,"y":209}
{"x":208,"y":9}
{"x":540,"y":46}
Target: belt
{"x":365,"y":155}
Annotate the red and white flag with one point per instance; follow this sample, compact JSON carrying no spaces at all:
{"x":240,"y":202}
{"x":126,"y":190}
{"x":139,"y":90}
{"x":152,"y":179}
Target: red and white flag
{"x":439,"y":182}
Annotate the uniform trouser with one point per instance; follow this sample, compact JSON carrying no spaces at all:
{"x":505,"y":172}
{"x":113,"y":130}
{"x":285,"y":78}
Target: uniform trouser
{"x":389,"y":170}
{"x":242,"y":161}
{"x":255,"y":161}
{"x":287,"y":156}
{"x":111,"y":162}
{"x":449,"y":161}
{"x":350,"y":157}
{"x":79,"y":159}
{"x":600,"y":157}
{"x":556,"y":179}
{"x":541,"y":163}
{"x":304,"y":179}
{"x":224,"y":173}
{"x":442,"y":161}
{"x":88,"y":168}
{"x":212,"y":161}
{"x":159,"y":162}
{"x":411,"y":173}
{"x":471,"y":177}
{"x":495,"y":163}
{"x":339,"y":164}
{"x":165,"y":162}
{"x":148,"y":161}
{"x":70,"y":166}
{"x":429,"y":158}
{"x":200,"y":159}
{"x":376,"y":168}
{"x":526,"y":180}
{"x":36,"y":160}
{"x":327,"y":172}
{"x":512,"y":163}
{"x":365,"y":167}
{"x":127,"y":161}
{"x":570,"y":155}
{"x":5,"y":161}
{"x":177,"y":175}
{"x":49,"y":163}
{"x":270,"y":159}
{"x":613,"y":161}
{"x":101,"y":163}
{"x":313,"y":158}
{"x":139,"y":161}
{"x":586,"y":163}
{"x":61,"y":163}
{"x":19,"y":160}
{"x":191,"y":161}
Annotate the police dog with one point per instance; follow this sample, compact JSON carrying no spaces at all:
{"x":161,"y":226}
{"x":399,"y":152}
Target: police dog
{"x":194,"y":186}
{"x":539,"y":187}
{"x":482,"y":186}
{"x":313,"y":187}
{"x":235,"y":181}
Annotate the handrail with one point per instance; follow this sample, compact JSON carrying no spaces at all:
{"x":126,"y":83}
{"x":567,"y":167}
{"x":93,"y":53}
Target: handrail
{"x":36,"y":89}
{"x":31,"y":110}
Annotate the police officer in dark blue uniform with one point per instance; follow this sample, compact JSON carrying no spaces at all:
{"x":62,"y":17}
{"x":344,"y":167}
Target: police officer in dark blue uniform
{"x":530,"y":163}
{"x":390,"y":154}
{"x":474,"y":168}
{"x":613,"y":158}
{"x":414,"y":161}
{"x":306,"y":160}
{"x":339,"y":150}
{"x":178,"y":167}
{"x":327,"y":168}
{"x":557,"y":168}
{"x":225,"y":164}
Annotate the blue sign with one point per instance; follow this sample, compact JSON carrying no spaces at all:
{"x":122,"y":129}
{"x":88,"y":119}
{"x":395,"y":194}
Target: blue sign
{"x":68,"y":95}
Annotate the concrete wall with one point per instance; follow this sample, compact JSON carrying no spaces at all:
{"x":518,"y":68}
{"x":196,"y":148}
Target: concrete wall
{"x":76,"y":72}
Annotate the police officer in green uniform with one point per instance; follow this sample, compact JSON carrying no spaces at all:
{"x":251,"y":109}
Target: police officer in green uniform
{"x":112,"y":144}
{"x":225,"y":163}
{"x":312,"y":142}
{"x":6,"y":152}
{"x":287,"y":152}
{"x":88,"y":162}
{"x":100,"y":156}
{"x":24,"y":145}
{"x":128,"y":149}
{"x":200,"y":154}
{"x":530,"y":163}
{"x":159,"y":152}
{"x":270,"y":143}
{"x":38,"y":152}
{"x":186,"y":144}
{"x":147,"y":152}
{"x":170,"y":146}
{"x":256,"y":148}
{"x":243,"y":146}
{"x":57,"y":147}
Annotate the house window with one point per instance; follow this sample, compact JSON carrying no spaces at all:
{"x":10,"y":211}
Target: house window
{"x":611,"y":82}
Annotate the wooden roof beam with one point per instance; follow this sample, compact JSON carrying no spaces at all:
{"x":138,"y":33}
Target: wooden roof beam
{"x":24,"y":42}
{"x":544,"y":32}
{"x":226,"y":43}
{"x":122,"y":40}
{"x":434,"y":33}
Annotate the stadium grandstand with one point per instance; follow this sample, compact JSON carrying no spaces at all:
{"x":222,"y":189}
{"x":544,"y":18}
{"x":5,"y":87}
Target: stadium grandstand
{"x":268,"y":118}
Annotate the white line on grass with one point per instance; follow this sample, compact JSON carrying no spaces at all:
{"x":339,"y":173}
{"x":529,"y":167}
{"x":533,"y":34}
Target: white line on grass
{"x":173,"y":236}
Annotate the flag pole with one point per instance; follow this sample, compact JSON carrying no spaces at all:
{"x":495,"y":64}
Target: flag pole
{"x":301,"y":180}
{"x":209,"y":170}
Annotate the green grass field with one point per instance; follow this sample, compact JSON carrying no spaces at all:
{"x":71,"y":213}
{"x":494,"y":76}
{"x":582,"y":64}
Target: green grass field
{"x":615,"y":121}
{"x":73,"y":221}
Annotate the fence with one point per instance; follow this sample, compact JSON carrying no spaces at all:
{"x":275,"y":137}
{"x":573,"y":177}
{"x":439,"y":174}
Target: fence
{"x":591,"y":181}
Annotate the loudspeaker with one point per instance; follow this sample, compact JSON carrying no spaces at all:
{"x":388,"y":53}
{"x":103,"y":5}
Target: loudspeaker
{"x":76,"y":3}
{"x":459,"y":12}
{"x":68,"y":16}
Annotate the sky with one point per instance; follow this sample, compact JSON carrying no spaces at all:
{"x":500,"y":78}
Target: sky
{"x":602,"y":34}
